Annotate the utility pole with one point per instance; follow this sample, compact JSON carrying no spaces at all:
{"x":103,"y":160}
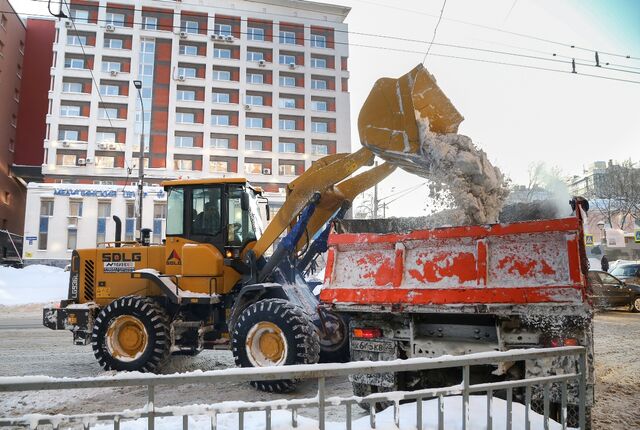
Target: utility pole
{"x":375,"y":198}
{"x":138,"y":85}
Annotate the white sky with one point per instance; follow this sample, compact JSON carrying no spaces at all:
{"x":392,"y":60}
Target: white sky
{"x":518,"y":116}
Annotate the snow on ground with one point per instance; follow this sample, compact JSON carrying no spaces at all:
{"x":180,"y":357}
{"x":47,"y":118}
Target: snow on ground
{"x":32,"y":284}
{"x":281,"y":419}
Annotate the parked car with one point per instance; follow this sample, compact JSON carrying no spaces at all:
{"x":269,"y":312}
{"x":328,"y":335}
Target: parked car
{"x":628,"y":273}
{"x":610,"y":292}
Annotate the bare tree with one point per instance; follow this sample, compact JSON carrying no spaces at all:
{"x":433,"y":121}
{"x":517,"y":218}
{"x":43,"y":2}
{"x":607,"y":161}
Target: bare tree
{"x":616,"y":193}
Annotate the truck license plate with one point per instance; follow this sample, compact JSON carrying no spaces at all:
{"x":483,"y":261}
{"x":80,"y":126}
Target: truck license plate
{"x":373,"y":346}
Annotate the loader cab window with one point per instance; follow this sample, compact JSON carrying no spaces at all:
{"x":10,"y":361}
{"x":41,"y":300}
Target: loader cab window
{"x":206,"y":212}
{"x":175,"y":211}
{"x":241,"y":229}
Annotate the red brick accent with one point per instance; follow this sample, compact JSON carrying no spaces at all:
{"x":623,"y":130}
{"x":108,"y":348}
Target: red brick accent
{"x":197,"y":141}
{"x":331,"y":83}
{"x":122,"y":112}
{"x":344,"y":63}
{"x":268,"y":77}
{"x":299,"y":80}
{"x":89,"y":62}
{"x":202,"y":49}
{"x":345,"y":85}
{"x":126,"y":66}
{"x":83,"y":135}
{"x":233,"y":118}
{"x":126,"y":43}
{"x":332,"y":126}
{"x":86,"y":87}
{"x":119,"y":161}
{"x":235,"y":75}
{"x":199,"y":116}
{"x":124,"y":89}
{"x":300,"y":124}
{"x":91,"y":39}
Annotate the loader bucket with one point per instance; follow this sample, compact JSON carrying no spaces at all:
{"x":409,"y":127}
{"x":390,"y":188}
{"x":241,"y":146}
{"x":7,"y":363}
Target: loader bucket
{"x":390,"y":118}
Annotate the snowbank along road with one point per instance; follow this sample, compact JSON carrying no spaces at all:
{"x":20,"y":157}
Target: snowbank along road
{"x":27,"y":348}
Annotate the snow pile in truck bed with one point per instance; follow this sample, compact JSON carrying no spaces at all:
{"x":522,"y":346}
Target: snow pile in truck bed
{"x":281,"y":419}
{"x":461,"y":177}
{"x":32,"y":284}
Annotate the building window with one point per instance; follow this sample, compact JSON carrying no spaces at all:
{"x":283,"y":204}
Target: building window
{"x":105,"y":137}
{"x":255,"y":78}
{"x":287,"y":124}
{"x":69,"y":110}
{"x":130,"y":222}
{"x":186,"y":95}
{"x":113,"y":43}
{"x":255,"y":56}
{"x":115,"y":19}
{"x":254,"y":100}
{"x":111,"y":66}
{"x":68,"y":135}
{"x":188,"y":50}
{"x":319,"y":149}
{"x":319,"y":63}
{"x":286,"y":59}
{"x":109,"y":90}
{"x":80,"y":16}
{"x":318,"y":105}
{"x":72,"y":237}
{"x":217,"y":166}
{"x":104,"y":212}
{"x":183,"y":164}
{"x":287,"y":37}
{"x":102,"y":161}
{"x":107,"y":113}
{"x":159,"y":217}
{"x":253,"y":168}
{"x":221,"y":53}
{"x":222,"y":29}
{"x":287,"y":147}
{"x":220,"y":119}
{"x":66,"y":159}
{"x":46,"y":212}
{"x":221,"y":75}
{"x":149,"y":22}
{"x":74,"y":63}
{"x":255,"y":33}
{"x":190,"y":27}
{"x":187,"y":72}
{"x":76,"y":40}
{"x":219,"y":143}
{"x":253,"y":145}
{"x":221,"y":97}
{"x":287,"y":81}
{"x":318,"y":41}
{"x":75,"y":208}
{"x":319,"y":127}
{"x":184,"y":141}
{"x":255,"y":122}
{"x":185,"y":117}
{"x":318,"y":84}
{"x":287,"y":170}
{"x":287,"y":103}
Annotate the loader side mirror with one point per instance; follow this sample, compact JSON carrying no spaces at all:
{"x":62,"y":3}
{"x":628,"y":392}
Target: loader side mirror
{"x":244,"y":201}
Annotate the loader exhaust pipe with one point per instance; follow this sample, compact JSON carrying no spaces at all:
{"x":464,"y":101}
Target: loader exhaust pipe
{"x":118,"y":238}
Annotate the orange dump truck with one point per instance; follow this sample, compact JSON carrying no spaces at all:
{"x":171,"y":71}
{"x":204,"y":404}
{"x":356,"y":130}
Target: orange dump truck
{"x":411,"y":292}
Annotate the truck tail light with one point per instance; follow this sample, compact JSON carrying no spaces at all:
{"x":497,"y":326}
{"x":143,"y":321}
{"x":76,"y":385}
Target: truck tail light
{"x":571,"y":342}
{"x":557,"y":341}
{"x":367,"y":333}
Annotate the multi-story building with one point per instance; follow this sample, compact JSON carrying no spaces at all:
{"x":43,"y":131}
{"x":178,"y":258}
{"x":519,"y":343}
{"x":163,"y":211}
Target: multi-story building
{"x":590,"y":182}
{"x":229,"y":88}
{"x":255,"y":88}
{"x":12,"y":46}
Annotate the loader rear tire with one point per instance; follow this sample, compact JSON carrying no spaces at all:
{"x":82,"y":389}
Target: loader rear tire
{"x":274,"y":332}
{"x":132,"y":333}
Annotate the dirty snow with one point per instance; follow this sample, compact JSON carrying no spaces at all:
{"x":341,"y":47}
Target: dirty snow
{"x":32,"y":284}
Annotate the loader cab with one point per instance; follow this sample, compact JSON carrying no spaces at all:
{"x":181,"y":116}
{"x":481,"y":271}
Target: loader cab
{"x":220,"y":212}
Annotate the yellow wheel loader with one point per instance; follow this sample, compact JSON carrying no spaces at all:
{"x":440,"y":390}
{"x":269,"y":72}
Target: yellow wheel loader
{"x":210,"y":284}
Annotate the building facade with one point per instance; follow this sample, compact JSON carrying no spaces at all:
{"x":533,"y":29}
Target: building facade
{"x":256,"y":89}
{"x":12,"y":48}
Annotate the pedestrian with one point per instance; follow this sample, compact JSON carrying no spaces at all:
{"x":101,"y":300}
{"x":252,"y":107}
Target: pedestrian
{"x":604,"y":263}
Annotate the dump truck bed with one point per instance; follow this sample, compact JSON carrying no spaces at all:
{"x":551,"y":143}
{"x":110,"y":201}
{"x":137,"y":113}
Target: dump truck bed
{"x":518,"y":263}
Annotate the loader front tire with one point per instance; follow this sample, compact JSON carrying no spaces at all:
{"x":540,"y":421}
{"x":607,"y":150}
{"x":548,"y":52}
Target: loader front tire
{"x":274,"y":332}
{"x":132,"y":333}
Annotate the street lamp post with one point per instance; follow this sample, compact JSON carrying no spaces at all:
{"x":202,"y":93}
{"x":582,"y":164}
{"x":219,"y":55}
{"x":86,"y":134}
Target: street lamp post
{"x":138,"y":85}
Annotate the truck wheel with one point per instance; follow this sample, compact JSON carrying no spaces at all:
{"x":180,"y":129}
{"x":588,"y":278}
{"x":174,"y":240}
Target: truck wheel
{"x":334,"y":347}
{"x":363,"y":390}
{"x":132,"y":333}
{"x":274,"y":332}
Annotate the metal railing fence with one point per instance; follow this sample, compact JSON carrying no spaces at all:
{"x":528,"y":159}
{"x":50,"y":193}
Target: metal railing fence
{"x":321,"y":372}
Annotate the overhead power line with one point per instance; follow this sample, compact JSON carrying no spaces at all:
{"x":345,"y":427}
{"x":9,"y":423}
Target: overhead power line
{"x":484,"y":60}
{"x":435,"y":31}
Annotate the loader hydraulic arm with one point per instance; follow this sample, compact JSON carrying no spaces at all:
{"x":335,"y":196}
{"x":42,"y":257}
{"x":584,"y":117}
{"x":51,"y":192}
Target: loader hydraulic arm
{"x":388,"y":125}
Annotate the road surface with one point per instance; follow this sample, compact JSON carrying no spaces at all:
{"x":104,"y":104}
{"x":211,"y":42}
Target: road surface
{"x":27,"y":348}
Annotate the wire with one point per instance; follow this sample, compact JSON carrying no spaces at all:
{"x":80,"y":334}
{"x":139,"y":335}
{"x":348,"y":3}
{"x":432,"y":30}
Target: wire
{"x":513,"y":33}
{"x":435,"y":31}
{"x":568,"y":45}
